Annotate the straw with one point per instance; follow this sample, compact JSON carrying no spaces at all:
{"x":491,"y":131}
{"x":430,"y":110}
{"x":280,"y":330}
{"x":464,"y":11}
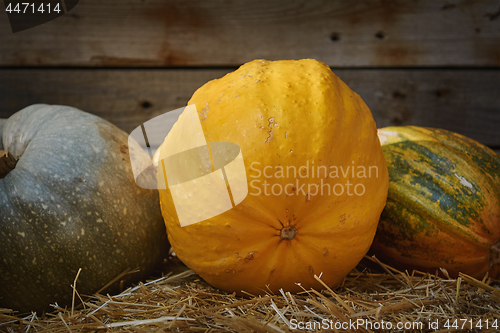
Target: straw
{"x":184,"y":302}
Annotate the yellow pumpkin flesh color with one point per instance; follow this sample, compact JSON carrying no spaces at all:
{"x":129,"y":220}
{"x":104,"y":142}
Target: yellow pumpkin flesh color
{"x":285,"y":114}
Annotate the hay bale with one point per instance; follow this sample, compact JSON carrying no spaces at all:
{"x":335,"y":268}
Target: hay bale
{"x":368,"y":300}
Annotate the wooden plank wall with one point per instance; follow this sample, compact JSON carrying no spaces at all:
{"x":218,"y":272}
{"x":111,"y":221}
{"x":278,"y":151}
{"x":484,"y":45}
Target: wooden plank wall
{"x":423,"y":62}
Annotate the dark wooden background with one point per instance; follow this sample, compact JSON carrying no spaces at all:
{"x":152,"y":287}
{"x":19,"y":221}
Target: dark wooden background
{"x":423,"y":62}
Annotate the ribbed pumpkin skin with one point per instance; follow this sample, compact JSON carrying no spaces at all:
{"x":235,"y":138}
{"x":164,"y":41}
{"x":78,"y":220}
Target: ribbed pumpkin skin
{"x":443,"y":206}
{"x":284,"y":113}
{"x":71,"y":202}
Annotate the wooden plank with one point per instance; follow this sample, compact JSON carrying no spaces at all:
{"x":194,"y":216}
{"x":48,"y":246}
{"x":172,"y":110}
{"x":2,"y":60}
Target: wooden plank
{"x":221,"y":33}
{"x":464,"y":101}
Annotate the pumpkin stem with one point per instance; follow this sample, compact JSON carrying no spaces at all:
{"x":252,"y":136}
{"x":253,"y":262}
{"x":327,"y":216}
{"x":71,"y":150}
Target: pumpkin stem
{"x":288,"y":233}
{"x":7,"y":163}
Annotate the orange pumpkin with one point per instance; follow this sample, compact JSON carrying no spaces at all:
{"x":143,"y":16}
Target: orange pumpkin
{"x":443,"y":206}
{"x":301,"y":130}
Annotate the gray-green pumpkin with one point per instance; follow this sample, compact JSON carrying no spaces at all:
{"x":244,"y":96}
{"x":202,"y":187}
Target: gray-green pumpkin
{"x":70,"y":202}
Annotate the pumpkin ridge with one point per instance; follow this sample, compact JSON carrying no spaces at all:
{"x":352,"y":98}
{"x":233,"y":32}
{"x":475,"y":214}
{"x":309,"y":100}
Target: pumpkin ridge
{"x":488,"y":171}
{"x":275,"y":256}
{"x":315,"y":260}
{"x":267,"y":254}
{"x":440,"y":222}
{"x":431,"y":261}
{"x":429,"y":177}
{"x":286,"y":253}
{"x":262,"y":245}
{"x":387,"y":236}
{"x":441,"y":136}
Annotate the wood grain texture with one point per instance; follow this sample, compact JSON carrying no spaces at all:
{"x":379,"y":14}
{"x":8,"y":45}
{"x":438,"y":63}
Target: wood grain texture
{"x":464,"y":101}
{"x":144,"y":33}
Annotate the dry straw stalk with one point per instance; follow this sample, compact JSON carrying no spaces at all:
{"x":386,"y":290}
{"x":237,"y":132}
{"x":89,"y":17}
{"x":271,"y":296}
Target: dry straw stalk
{"x":185,"y":303}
